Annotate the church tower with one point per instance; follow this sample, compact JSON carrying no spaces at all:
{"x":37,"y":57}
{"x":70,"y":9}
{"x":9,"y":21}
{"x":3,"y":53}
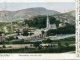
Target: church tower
{"x":48,"y":23}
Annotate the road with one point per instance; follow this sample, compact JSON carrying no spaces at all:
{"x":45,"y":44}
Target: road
{"x":17,"y":46}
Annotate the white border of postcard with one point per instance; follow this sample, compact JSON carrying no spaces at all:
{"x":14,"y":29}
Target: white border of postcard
{"x":37,"y":56}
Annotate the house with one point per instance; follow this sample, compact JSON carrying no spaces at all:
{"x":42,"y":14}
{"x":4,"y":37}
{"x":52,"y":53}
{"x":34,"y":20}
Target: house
{"x":2,"y":37}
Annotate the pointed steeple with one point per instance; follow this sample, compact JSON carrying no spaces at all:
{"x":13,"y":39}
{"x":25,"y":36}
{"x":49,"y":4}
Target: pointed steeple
{"x":47,"y":23}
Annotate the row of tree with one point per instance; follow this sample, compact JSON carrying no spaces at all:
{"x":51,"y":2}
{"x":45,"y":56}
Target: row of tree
{"x":40,"y":21}
{"x":68,"y":29}
{"x":40,"y":49}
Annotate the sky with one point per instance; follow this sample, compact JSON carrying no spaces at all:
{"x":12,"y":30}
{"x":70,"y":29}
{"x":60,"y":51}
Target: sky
{"x":57,"y":6}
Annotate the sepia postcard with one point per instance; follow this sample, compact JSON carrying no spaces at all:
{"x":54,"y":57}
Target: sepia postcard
{"x":32,"y":30}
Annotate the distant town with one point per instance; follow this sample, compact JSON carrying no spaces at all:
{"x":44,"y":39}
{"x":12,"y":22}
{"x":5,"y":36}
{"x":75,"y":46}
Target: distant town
{"x":39,"y":34}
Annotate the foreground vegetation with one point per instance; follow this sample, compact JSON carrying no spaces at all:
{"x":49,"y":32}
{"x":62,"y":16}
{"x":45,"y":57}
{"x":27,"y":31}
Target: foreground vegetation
{"x":55,"y":46}
{"x":40,"y":50}
{"x":40,"y":21}
{"x":68,"y":29}
{"x":69,"y":40}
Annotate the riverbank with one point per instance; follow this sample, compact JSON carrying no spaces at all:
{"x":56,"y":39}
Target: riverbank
{"x":70,"y":40}
{"x":61,"y":36}
{"x":56,"y":37}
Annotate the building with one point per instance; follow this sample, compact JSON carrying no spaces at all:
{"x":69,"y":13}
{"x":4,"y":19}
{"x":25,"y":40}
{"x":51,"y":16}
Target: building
{"x":53,"y":26}
{"x":50,"y":26}
{"x":61,"y":25}
{"x":2,"y":37}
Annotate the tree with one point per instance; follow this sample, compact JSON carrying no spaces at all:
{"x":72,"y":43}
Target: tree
{"x":67,"y":45}
{"x":59,"y":44}
{"x":42,"y":33}
{"x":25,"y":33}
{"x":68,"y":29}
{"x":40,"y":47}
{"x":36,"y":44}
{"x":40,"y":21}
{"x":49,"y":40}
{"x":10,"y":38}
{"x":22,"y":40}
{"x":4,"y":46}
{"x":18,"y":31}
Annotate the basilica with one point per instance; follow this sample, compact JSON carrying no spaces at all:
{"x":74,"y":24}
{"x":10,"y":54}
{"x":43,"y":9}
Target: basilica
{"x":50,"y":26}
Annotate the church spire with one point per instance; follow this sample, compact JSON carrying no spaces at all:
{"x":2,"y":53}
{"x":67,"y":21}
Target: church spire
{"x":48,"y":23}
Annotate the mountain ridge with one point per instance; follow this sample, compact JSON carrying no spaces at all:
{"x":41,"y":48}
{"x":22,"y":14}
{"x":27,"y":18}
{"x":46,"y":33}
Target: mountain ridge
{"x":68,"y":17}
{"x":25,"y":13}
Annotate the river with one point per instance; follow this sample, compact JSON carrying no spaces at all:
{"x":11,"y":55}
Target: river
{"x":58,"y":37}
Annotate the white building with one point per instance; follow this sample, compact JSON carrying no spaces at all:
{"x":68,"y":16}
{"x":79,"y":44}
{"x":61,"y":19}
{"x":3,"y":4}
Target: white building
{"x":50,"y":26}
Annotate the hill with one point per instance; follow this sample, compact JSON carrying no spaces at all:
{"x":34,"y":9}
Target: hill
{"x":68,"y":17}
{"x":25,"y":13}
